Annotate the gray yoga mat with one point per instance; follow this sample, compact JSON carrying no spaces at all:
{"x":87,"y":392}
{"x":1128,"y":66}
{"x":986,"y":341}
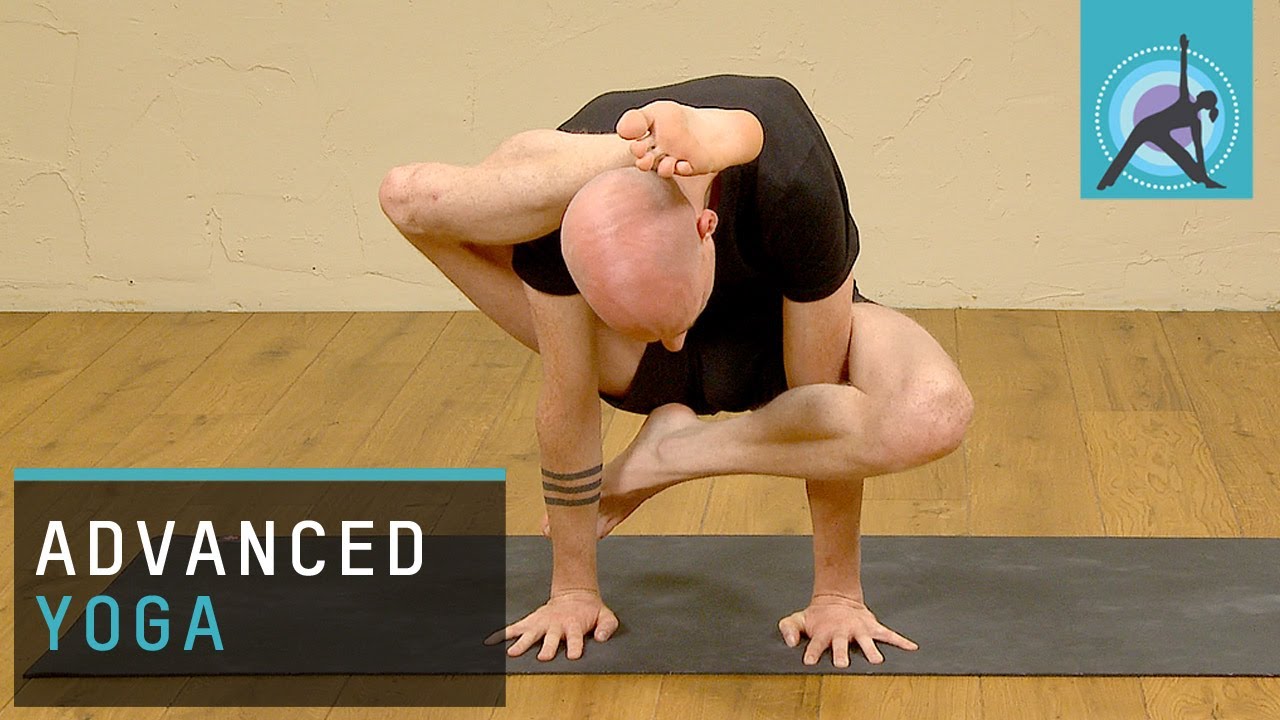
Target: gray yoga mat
{"x":976,"y":605}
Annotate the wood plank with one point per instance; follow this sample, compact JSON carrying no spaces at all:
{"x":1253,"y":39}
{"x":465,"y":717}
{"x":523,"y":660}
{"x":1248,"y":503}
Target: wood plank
{"x":42,"y":360}
{"x":938,"y":322}
{"x":14,"y":324}
{"x":7,"y":621}
{"x":1231,"y":367}
{"x":1121,"y":361}
{"x":1052,"y":698}
{"x":559,"y":697}
{"x":200,"y":694}
{"x":331,"y":408}
{"x":256,"y":366}
{"x":1272,"y":321}
{"x":105,"y":401}
{"x":1193,"y":698}
{"x":182,"y":441}
{"x":40,"y":447}
{"x":942,"y":479}
{"x":905,"y":697}
{"x":446,"y":408}
{"x":73,"y":692}
{"x":757,"y":505}
{"x":1156,"y":476}
{"x":512,"y":443}
{"x":360,"y":686}
{"x":915,"y":517}
{"x":1025,"y":453}
{"x":759,"y":697}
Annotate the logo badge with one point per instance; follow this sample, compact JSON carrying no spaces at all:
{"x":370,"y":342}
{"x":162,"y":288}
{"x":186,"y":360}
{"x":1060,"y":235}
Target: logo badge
{"x":1166,"y":98}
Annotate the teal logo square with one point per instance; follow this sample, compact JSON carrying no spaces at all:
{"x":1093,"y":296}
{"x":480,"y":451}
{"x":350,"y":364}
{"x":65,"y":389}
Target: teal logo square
{"x":1166,"y":99}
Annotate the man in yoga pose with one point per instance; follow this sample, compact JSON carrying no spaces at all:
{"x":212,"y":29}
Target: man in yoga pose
{"x":1158,"y":128}
{"x":679,"y":251}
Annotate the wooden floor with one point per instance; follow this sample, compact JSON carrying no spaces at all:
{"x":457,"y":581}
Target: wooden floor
{"x":1116,"y":424}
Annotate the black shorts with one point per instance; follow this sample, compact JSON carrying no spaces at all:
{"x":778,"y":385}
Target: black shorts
{"x":726,"y":365}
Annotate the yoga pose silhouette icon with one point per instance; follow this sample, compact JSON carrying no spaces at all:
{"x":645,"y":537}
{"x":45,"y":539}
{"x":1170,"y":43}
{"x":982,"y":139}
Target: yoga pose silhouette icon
{"x":1158,"y":128}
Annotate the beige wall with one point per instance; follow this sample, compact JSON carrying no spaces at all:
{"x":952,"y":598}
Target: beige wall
{"x":226,"y":155}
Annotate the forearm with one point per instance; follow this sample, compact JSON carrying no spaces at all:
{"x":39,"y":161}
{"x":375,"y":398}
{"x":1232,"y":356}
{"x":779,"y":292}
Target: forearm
{"x":571,"y":472}
{"x":816,"y":342}
{"x":836,"y":509}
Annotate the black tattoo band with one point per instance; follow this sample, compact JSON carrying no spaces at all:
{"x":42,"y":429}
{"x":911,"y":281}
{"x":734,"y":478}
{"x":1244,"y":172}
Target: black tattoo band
{"x":571,"y":476}
{"x":552,"y":487}
{"x":572,"y":503}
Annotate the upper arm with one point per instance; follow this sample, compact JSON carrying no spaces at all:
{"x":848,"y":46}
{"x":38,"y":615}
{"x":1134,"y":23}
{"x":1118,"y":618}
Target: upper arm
{"x":811,"y":243}
{"x":809,"y":238}
{"x":815,"y":337}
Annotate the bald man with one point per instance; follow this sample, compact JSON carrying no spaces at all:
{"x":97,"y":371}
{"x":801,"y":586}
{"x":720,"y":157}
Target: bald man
{"x":680,"y":251}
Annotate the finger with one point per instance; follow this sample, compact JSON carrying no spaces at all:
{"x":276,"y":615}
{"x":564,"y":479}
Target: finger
{"x":546,"y":526}
{"x":791,"y":628}
{"x":870,"y":650}
{"x":667,"y":167}
{"x":525,"y":642}
{"x":505,"y":633}
{"x":550,"y":644}
{"x":813,"y":651}
{"x":606,"y":625}
{"x":893,"y":638}
{"x":573,"y":642}
{"x":496,"y":637}
{"x":685,"y":169}
{"x":840,"y":651}
{"x":633,"y":124}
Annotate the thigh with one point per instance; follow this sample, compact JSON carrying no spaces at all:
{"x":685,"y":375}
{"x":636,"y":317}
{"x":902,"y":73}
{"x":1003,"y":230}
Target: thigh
{"x":889,"y":353}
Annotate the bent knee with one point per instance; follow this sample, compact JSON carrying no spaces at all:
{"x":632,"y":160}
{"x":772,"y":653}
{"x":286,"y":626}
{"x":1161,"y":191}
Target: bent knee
{"x":410,"y":196}
{"x":927,"y":422}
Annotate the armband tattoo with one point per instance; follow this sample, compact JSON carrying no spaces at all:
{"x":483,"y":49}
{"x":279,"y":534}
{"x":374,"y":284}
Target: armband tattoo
{"x":555,"y":485}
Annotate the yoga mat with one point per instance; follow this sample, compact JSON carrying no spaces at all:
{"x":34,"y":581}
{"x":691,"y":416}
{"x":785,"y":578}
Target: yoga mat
{"x":977,"y":606}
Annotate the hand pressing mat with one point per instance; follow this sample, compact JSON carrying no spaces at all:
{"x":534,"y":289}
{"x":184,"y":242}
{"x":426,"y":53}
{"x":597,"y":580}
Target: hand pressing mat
{"x":977,"y":606}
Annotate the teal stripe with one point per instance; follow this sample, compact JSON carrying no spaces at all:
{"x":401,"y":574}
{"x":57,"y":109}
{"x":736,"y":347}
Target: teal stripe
{"x":260,"y":474}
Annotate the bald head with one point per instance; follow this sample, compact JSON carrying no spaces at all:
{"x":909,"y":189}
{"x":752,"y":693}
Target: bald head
{"x":631,"y":242}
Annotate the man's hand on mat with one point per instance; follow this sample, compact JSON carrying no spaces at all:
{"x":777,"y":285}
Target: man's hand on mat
{"x":665,"y":139}
{"x":831,"y":621}
{"x":570,"y":616}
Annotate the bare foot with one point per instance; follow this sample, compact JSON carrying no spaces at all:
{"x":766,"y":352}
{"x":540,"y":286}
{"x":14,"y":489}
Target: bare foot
{"x":636,"y":474}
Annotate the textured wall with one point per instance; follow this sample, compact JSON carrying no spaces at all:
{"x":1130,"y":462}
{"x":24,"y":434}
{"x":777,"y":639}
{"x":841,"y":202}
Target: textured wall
{"x":227,"y":155}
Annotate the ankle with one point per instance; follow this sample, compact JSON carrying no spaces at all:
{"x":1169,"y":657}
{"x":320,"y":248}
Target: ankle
{"x":676,"y":454}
